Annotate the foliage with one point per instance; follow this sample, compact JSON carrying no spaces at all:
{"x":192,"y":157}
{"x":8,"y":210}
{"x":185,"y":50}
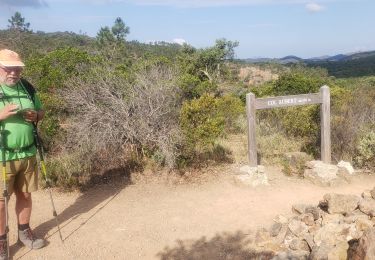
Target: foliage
{"x":120,"y":30}
{"x":49,"y":73}
{"x":113,"y":36}
{"x":230,"y":108}
{"x":366,"y":150}
{"x":17,"y":23}
{"x":201,"y":123}
{"x":203,"y":69}
{"x":105,"y":36}
{"x":107,"y":111}
{"x":355,"y":67}
{"x":300,"y":80}
{"x":352,"y":114}
{"x":52,"y":70}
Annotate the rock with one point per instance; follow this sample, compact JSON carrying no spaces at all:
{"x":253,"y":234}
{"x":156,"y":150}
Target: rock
{"x":332,"y":218}
{"x":332,"y":232}
{"x":312,"y":164}
{"x":281,"y":219}
{"x":341,"y":203}
{"x":354,"y":216}
{"x":330,"y":252}
{"x":365,"y":250}
{"x":299,"y":244}
{"x":322,"y":174}
{"x":297,"y":227}
{"x":340,"y":252}
{"x":367,"y":206}
{"x":309,"y":238}
{"x":307,"y":218}
{"x":345,"y":168}
{"x":363,"y":224}
{"x":372,"y":192}
{"x":292,"y":255}
{"x":246,"y":169}
{"x":282,"y":234}
{"x":367,"y":194}
{"x":315,"y":211}
{"x":261,"y":169}
{"x":251,"y":176}
{"x":299,"y":208}
{"x":275,"y":229}
{"x":313,"y":229}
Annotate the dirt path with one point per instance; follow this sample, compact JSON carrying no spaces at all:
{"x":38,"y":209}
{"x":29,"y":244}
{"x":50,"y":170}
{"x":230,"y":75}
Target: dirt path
{"x":157,"y":221}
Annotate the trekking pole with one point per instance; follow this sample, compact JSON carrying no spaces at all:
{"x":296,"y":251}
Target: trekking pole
{"x":43,"y":168}
{"x":5,"y":190}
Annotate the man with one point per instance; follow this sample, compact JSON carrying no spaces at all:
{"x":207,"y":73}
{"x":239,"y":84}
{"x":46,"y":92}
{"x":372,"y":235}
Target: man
{"x":19,"y":111}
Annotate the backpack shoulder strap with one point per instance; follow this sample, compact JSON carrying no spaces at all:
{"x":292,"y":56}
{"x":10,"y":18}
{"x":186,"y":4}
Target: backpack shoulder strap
{"x":29,"y":88}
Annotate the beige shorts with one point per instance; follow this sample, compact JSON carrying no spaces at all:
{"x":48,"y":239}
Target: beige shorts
{"x":22,"y":175}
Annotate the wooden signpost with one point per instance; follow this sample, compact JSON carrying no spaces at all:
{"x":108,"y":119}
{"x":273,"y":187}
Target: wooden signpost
{"x":322,"y":98}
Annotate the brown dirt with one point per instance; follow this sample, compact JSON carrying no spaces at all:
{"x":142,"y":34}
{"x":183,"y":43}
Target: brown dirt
{"x":154,"y":220}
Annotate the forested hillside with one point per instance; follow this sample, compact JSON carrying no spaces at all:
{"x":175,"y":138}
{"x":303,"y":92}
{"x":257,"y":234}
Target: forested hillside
{"x":356,"y":65}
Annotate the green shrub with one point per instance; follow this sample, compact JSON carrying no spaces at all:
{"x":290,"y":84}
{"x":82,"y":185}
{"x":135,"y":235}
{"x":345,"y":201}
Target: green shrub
{"x":366,"y":150}
{"x":301,"y":121}
{"x":230,"y":108}
{"x":201,"y":123}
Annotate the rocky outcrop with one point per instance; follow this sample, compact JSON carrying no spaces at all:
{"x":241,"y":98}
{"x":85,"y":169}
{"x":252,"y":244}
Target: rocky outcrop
{"x":340,"y":226}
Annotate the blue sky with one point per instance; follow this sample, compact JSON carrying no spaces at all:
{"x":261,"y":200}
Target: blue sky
{"x":264,"y":28}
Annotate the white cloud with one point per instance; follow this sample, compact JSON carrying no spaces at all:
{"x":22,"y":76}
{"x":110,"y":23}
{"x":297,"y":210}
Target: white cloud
{"x":28,"y":3}
{"x":200,"y":3}
{"x":314,"y":7}
{"x":179,"y":41}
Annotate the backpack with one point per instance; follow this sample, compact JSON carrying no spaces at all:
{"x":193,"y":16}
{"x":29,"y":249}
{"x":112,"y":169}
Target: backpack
{"x":30,"y":89}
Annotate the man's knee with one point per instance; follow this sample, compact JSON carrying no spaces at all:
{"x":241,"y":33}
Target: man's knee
{"x":26,"y":196}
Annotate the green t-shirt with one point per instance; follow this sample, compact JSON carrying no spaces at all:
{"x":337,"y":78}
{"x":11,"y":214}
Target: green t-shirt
{"x":18,"y":133}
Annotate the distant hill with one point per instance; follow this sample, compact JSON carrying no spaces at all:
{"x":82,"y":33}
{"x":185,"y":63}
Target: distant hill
{"x":344,"y":66}
{"x":43,"y":42}
{"x":340,"y":65}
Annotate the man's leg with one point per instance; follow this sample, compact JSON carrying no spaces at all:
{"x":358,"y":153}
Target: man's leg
{"x":2,"y":217}
{"x":23,"y":211}
{"x":3,"y":235}
{"x":23,"y":207}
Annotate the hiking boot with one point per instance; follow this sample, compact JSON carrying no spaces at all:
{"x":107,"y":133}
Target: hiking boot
{"x":3,"y":249}
{"x":28,"y":239}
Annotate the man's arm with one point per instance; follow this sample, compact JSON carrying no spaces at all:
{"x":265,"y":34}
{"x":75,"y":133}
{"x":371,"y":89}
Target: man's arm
{"x":33,"y":116}
{"x":8,"y":110}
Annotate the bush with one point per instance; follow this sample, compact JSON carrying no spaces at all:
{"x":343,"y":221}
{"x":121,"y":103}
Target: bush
{"x":201,"y":123}
{"x":108,"y":115}
{"x":366,"y":150}
{"x":230,"y":108}
{"x":353,"y":111}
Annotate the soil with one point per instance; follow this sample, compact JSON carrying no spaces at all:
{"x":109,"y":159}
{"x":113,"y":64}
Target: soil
{"x":148,"y":217}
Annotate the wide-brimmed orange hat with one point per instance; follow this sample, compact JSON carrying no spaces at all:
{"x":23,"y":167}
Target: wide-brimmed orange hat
{"x":10,"y":58}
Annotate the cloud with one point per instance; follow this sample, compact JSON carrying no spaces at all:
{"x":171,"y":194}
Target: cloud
{"x":24,"y":3}
{"x":179,"y":41}
{"x":209,"y":3}
{"x":314,"y":7}
{"x":201,"y":3}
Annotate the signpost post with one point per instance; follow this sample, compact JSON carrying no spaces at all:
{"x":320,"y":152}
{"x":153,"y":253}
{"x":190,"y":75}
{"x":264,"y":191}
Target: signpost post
{"x":322,"y":98}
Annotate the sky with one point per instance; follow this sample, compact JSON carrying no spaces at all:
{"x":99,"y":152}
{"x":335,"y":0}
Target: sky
{"x":263,"y":28}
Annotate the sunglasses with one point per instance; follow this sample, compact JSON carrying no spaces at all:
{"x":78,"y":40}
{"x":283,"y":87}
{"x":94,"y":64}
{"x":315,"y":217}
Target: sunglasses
{"x":10,"y":69}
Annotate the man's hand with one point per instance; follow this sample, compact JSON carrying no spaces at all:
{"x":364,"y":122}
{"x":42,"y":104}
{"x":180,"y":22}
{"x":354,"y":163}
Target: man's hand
{"x":30,"y":115}
{"x":8,"y":110}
